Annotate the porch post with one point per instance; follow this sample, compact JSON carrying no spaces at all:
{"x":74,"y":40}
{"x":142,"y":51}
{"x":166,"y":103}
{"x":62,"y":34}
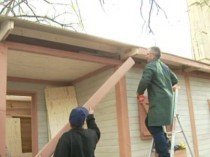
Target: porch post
{"x":123,"y":119}
{"x":3,"y":89}
{"x":192,"y":115}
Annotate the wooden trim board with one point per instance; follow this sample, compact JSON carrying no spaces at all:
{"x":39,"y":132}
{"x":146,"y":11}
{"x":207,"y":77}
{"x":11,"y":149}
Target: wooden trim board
{"x":93,"y":101}
{"x":6,"y":28}
{"x":61,"y":53}
{"x":191,"y":113}
{"x":123,"y":119}
{"x":3,"y":83}
{"x":34,"y":120}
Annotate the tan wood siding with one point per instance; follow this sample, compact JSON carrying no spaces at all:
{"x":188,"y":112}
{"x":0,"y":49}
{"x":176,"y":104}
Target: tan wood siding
{"x":105,"y":113}
{"x":201,"y":93}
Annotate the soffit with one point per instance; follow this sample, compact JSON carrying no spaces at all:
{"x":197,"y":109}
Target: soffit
{"x":42,"y":67}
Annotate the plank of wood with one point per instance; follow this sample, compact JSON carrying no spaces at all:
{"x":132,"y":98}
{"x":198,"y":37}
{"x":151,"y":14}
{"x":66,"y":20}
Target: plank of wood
{"x":27,"y":155}
{"x":81,"y":42}
{"x":3,"y":87}
{"x":49,"y":148}
{"x":192,"y":117}
{"x":6,"y":27}
{"x":108,"y":85}
{"x":61,"y":53}
{"x":123,"y":119}
{"x":59,"y":102}
{"x":13,"y":137}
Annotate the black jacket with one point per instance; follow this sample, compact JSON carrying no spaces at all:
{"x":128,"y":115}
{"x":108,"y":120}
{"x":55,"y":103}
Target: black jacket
{"x":79,"y":142}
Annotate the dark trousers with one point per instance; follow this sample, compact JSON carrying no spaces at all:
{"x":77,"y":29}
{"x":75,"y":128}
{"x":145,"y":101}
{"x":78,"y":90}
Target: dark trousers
{"x":160,"y":140}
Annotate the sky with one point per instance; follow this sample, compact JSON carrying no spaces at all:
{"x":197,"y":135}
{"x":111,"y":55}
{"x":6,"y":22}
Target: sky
{"x":121,"y":21}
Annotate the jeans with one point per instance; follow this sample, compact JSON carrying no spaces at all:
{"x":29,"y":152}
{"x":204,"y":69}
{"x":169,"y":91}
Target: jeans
{"x":160,"y":140}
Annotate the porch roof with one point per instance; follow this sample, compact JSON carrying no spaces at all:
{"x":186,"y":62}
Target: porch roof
{"x":42,"y":52}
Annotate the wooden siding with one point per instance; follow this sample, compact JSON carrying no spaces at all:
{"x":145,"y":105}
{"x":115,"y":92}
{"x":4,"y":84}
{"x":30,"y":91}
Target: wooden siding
{"x":41,"y":107}
{"x":201,"y":93}
{"x":105,"y":113}
{"x":139,"y":148}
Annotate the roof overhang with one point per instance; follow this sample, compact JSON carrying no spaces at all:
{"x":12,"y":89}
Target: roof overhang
{"x":31,"y":45}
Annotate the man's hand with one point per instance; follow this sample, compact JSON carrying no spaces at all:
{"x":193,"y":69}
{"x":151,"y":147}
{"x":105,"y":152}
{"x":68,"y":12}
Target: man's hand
{"x":141,"y":98}
{"x":175,"y":87}
{"x":91,"y":111}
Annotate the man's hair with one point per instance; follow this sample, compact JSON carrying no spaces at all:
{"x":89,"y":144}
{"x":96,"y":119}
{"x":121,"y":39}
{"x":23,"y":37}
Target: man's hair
{"x":156,"y":51}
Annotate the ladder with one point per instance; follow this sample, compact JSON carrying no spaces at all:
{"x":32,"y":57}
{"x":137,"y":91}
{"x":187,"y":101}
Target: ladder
{"x":174,"y":132}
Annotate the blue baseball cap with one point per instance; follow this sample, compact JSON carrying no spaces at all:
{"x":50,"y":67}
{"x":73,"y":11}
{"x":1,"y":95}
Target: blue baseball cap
{"x":77,"y":116}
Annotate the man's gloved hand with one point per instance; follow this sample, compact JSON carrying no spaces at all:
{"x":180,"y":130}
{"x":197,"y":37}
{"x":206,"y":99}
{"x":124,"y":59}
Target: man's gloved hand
{"x":141,"y":98}
{"x":175,"y":87}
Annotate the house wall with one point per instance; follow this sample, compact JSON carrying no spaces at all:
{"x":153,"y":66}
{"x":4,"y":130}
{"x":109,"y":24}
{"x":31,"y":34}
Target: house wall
{"x":105,"y":113}
{"x":140,"y":148}
{"x":201,"y":93}
{"x":41,"y":107}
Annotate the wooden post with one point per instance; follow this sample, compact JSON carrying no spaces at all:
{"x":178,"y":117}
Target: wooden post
{"x":92,"y":102}
{"x":192,"y":117}
{"x":3,"y":89}
{"x":123,"y":119}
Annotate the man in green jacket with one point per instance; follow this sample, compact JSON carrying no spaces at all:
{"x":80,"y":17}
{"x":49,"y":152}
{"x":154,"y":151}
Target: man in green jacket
{"x":159,"y":81}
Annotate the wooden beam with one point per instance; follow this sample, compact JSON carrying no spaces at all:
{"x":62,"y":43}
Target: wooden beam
{"x":70,"y":39}
{"x":61,"y":53}
{"x":190,"y":69}
{"x":123,"y":119}
{"x":3,"y":82}
{"x":5,"y":29}
{"x":176,"y":60}
{"x":28,"y":80}
{"x":133,"y":52}
{"x":200,"y":75}
{"x":49,"y":148}
{"x":191,"y":112}
{"x":107,"y":86}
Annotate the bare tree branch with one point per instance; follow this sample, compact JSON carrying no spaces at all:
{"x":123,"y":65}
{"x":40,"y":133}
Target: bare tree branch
{"x":25,"y":9}
{"x":5,"y":7}
{"x":149,"y":18}
{"x":153,"y":5}
{"x":32,"y":11}
{"x":207,"y":3}
{"x":44,"y":18}
{"x":141,"y":13}
{"x":9,"y":7}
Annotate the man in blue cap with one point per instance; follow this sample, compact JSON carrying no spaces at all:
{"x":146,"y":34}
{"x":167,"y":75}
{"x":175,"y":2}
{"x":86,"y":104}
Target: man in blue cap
{"x":79,"y":142}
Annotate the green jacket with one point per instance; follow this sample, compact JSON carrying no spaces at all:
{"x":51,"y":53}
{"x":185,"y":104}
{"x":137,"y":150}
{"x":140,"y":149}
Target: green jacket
{"x":158,"y":79}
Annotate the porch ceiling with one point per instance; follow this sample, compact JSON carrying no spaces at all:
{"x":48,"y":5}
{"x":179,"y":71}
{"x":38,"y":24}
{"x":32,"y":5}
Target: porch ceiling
{"x":42,"y":67}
